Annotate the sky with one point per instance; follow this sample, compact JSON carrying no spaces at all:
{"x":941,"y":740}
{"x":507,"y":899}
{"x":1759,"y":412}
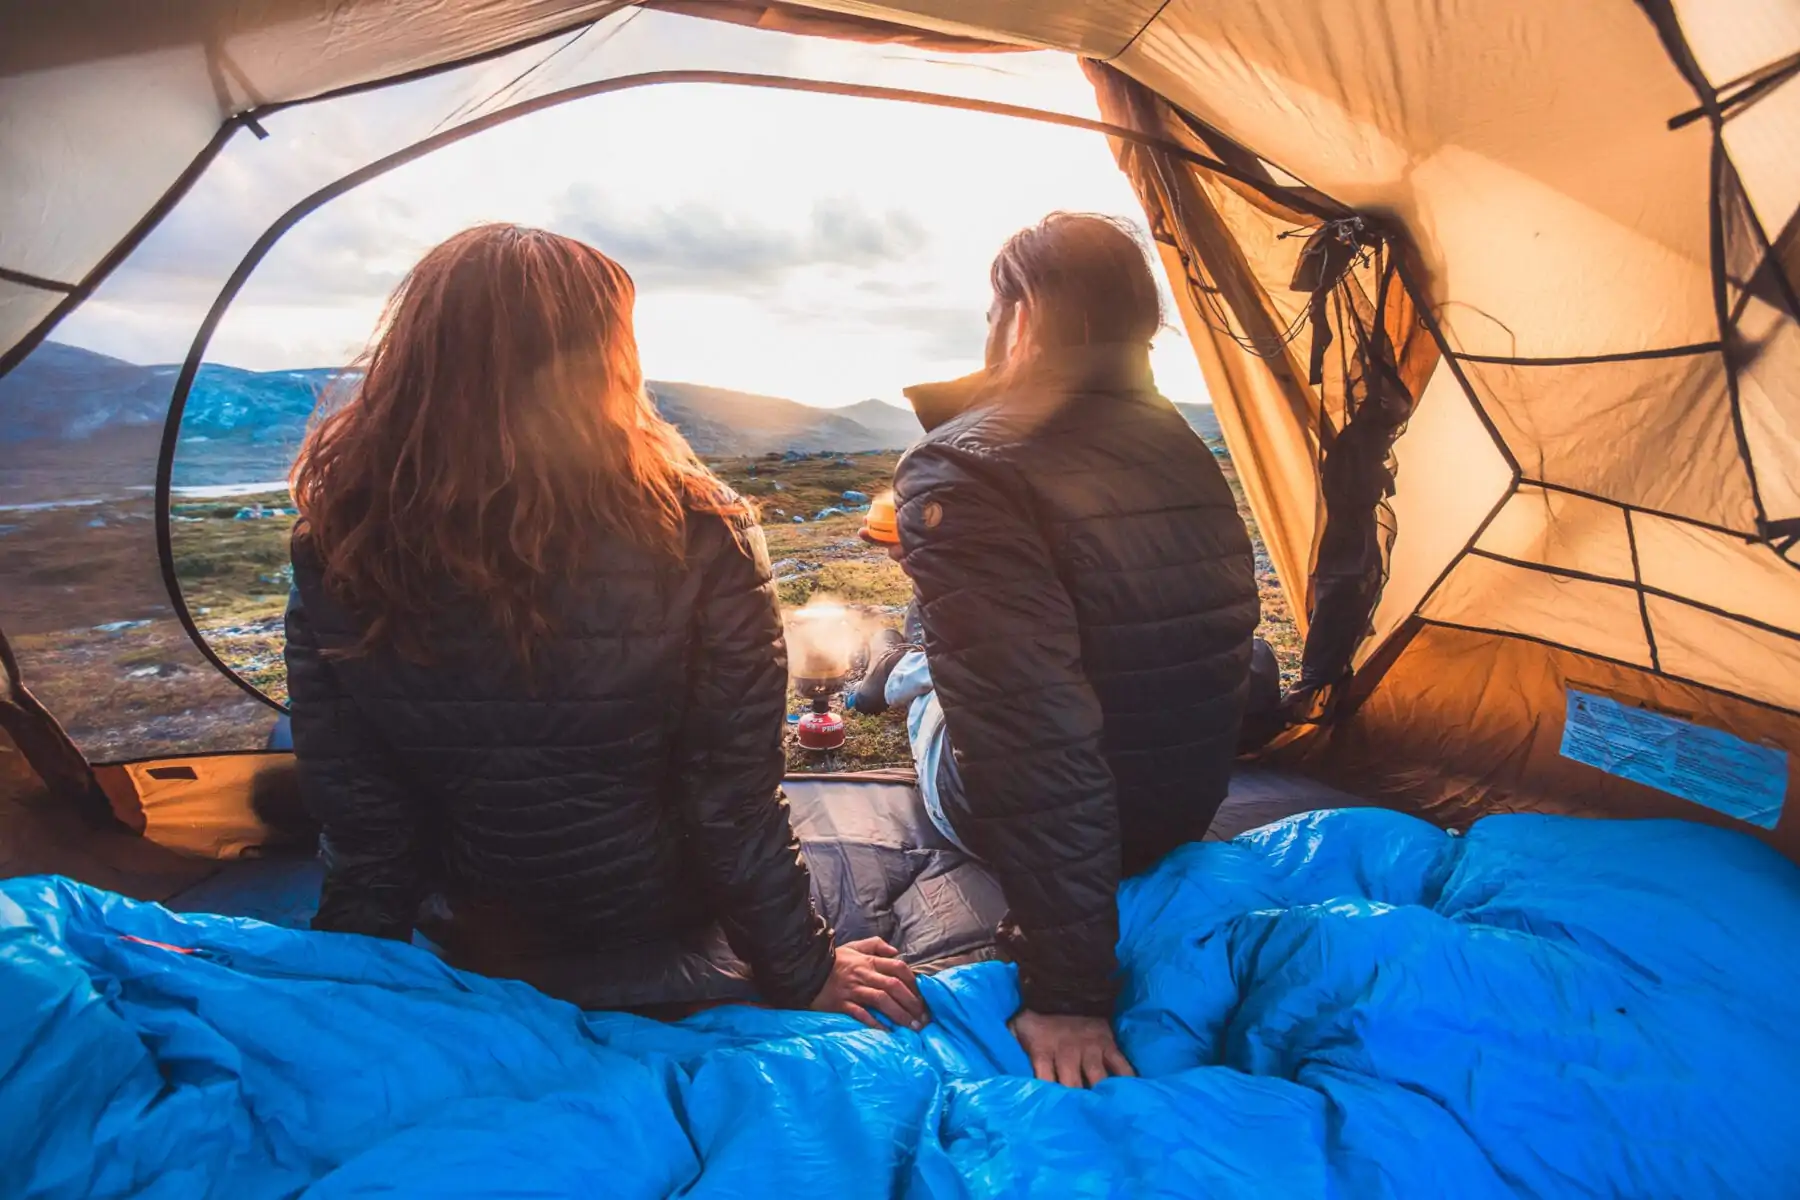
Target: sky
{"x":824,"y":248}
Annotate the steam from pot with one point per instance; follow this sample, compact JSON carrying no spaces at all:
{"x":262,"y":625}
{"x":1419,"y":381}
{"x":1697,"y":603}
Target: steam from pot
{"x":824,"y":637}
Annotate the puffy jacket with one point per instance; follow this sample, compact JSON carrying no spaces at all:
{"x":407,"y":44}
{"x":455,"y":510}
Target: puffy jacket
{"x":626,"y":793}
{"x":1087,"y":595}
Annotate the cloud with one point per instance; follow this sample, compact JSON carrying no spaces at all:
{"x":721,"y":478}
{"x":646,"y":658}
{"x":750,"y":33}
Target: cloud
{"x":700,"y":245}
{"x":944,"y":332}
{"x":348,"y":249}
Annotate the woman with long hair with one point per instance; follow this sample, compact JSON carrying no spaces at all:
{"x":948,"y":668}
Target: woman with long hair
{"x":534,"y":656}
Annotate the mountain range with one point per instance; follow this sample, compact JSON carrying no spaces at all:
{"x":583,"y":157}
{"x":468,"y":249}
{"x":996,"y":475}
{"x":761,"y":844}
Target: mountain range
{"x":66,"y":411}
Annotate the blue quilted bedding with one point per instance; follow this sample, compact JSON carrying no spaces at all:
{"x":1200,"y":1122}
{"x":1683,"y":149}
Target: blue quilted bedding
{"x":1348,"y":1003}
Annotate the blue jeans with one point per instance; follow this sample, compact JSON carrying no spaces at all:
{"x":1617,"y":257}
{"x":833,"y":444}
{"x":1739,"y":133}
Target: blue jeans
{"x":910,"y":684}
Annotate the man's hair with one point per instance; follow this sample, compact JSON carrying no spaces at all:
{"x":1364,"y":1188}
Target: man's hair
{"x":1083,"y":279}
{"x":498,"y":431}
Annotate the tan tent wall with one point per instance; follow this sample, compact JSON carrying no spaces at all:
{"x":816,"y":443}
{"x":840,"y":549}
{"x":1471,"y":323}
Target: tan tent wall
{"x":42,"y":834}
{"x":208,"y":805}
{"x":778,"y":17}
{"x":1606,"y":535}
{"x":1592,"y":192}
{"x":1465,"y":724}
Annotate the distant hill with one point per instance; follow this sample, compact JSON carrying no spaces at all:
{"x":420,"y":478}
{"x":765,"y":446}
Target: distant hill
{"x":896,"y":426}
{"x":68,"y":414}
{"x":721,"y":422}
{"x":73,"y":422}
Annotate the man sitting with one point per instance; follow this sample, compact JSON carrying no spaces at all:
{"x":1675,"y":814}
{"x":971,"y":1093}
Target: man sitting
{"x":1086,"y":600}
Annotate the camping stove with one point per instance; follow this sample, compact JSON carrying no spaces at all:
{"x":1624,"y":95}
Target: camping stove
{"x":821,"y":729}
{"x":820,"y":641}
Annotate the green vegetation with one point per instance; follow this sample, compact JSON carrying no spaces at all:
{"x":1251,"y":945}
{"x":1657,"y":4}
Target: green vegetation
{"x":870,"y":583}
{"x":232,"y":572}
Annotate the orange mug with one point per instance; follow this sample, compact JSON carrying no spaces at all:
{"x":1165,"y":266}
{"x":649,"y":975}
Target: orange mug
{"x":880,"y":524}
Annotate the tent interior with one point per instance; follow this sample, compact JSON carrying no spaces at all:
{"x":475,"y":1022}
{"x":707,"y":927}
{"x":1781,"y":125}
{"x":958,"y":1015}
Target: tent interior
{"x":1533,"y":436}
{"x":1496,"y":305}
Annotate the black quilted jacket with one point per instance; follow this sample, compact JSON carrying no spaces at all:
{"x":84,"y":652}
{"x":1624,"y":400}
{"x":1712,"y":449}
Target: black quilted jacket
{"x":627,"y":794}
{"x":1088,"y":599}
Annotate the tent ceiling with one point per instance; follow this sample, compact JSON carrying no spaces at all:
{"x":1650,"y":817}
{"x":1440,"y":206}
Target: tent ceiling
{"x":1573,"y":148}
{"x":266,"y":51}
{"x":1569,"y":241}
{"x":1090,"y":29}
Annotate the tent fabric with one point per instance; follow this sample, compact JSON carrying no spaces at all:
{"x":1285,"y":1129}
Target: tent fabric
{"x":1344,"y":1003}
{"x":1277,"y":387}
{"x":783,"y":17}
{"x":212,"y":806}
{"x":1593,"y":275}
{"x":1596,"y":206}
{"x":1486,"y":735}
{"x":146,"y":97}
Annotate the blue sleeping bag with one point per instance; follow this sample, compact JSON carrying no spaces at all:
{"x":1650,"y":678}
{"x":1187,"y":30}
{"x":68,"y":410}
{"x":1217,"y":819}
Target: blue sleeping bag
{"x":1347,"y":1003}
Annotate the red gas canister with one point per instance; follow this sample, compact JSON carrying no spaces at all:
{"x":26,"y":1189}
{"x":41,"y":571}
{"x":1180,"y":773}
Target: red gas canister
{"x":821,"y":731}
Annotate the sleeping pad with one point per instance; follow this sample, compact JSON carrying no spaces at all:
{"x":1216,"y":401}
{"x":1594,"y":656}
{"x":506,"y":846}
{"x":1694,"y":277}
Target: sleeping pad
{"x":1345,"y":1003}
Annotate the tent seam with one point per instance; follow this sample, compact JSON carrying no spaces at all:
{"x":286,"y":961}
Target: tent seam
{"x":1453,"y":360}
{"x":1515,"y":635}
{"x":1571,"y":490}
{"x":426,"y":72}
{"x":1142,"y":29}
{"x":1643,"y":599}
{"x":1721,"y":170}
{"x":1642,"y":589}
{"x":1694,"y":349}
{"x":27,"y":279}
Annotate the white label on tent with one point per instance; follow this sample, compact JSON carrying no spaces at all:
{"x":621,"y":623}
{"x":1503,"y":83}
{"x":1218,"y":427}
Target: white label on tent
{"x":1707,"y":766}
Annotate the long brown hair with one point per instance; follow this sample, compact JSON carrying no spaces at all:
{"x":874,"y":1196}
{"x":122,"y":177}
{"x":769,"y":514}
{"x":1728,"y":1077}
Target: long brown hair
{"x":1082,"y":280}
{"x":498,"y":429}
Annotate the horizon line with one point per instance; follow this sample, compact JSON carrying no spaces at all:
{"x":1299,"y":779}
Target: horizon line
{"x":1206,"y":403}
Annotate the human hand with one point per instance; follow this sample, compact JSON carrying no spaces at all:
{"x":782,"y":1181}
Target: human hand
{"x":869,"y":974}
{"x":891,"y":549}
{"x":1071,"y":1050}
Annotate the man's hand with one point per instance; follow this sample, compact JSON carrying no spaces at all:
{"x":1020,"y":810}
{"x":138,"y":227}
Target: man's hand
{"x":869,"y":974}
{"x":891,"y":549}
{"x":1073,"y":1051}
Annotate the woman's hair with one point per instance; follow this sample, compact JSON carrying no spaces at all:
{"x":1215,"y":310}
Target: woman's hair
{"x":499,"y":429}
{"x":1083,"y":280}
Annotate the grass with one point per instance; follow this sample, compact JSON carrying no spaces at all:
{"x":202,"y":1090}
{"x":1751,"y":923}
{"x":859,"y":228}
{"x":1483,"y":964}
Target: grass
{"x":870,"y":583}
{"x":140,"y":689}
{"x":232,"y":572}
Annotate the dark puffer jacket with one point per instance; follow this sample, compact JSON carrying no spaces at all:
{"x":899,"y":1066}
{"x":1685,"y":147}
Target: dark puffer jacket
{"x":1088,"y":599}
{"x":627,"y":794}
